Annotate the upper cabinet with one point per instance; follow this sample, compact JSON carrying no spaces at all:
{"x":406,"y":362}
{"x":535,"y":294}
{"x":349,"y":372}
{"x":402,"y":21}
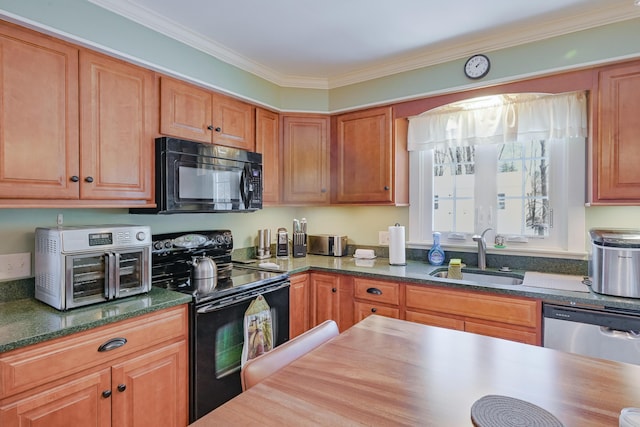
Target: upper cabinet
{"x":616,"y":150}
{"x":268,"y":144}
{"x":190,"y":112}
{"x":305,"y":159}
{"x":77,"y":127}
{"x":118,"y":122}
{"x":371,"y":161}
{"x":39,"y":131}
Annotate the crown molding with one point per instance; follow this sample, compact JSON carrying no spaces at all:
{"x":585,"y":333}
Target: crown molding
{"x":447,"y":51}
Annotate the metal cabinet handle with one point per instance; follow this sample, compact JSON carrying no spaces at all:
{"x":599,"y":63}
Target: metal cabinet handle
{"x":373,"y":310}
{"x":386,"y":188}
{"x":217,"y":129}
{"x":74,"y":178}
{"x":374,"y":291}
{"x":334,"y":290}
{"x":122,"y":387}
{"x":89,"y":179}
{"x":106,"y":393}
{"x":112,"y":344}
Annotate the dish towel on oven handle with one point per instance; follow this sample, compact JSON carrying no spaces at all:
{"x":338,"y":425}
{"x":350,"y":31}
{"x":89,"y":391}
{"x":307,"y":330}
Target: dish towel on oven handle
{"x":258,"y":330}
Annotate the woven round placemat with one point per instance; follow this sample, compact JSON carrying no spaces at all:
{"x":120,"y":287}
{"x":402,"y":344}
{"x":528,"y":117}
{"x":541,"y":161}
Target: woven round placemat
{"x":504,"y":411}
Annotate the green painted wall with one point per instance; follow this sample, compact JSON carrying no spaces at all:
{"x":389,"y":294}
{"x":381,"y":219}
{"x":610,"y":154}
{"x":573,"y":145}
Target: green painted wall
{"x":82,"y":20}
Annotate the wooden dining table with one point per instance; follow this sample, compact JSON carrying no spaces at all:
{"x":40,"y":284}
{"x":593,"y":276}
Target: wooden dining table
{"x":390,"y":372}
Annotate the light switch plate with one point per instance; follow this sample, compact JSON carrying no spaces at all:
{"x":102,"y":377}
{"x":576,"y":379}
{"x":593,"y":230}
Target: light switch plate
{"x":15,"y":266}
{"x":383,"y":238}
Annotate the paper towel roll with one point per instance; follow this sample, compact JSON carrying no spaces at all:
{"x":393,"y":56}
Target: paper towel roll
{"x":396,"y":245}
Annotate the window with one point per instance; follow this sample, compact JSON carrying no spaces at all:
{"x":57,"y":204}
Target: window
{"x":490,"y":164}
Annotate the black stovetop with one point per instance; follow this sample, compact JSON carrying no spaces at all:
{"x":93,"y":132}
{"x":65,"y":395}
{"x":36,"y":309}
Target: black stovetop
{"x":171,"y":253}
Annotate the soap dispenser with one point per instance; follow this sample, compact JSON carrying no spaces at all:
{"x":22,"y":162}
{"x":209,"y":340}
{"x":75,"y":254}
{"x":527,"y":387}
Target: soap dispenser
{"x":436,"y":254}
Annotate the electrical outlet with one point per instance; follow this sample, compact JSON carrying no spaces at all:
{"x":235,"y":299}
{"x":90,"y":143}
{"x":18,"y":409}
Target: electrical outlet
{"x":383,"y":238}
{"x":15,"y":266}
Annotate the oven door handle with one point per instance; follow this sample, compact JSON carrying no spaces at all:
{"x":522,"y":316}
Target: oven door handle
{"x":229,"y":301}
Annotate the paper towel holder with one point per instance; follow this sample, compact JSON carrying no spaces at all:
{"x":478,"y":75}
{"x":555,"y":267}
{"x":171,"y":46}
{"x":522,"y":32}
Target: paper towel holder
{"x":397,"y":258}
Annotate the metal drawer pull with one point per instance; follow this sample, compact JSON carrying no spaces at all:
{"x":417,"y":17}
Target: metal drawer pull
{"x":112,"y":344}
{"x":374,"y":291}
{"x":106,"y":393}
{"x":122,"y":387}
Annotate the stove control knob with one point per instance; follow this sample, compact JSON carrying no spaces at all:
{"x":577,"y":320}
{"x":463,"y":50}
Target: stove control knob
{"x":157,"y":245}
{"x":141,"y":235}
{"x":168,"y":244}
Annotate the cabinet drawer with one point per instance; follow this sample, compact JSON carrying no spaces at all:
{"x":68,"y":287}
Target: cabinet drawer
{"x":364,"y":309}
{"x":511,"y":310}
{"x":26,"y":368}
{"x":376,"y":291}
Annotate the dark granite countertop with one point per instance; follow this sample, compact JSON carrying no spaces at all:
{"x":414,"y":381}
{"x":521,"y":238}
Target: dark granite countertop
{"x":418,"y":272}
{"x":28,"y":321}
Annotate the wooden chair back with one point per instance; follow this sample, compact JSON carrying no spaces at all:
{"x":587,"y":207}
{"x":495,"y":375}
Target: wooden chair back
{"x":255,"y":370}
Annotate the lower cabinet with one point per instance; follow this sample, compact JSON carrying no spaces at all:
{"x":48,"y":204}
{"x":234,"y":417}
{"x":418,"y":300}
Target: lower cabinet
{"x":331,"y":298}
{"x":142,"y":381}
{"x":376,"y":297}
{"x":298,"y":304}
{"x":512,"y":318}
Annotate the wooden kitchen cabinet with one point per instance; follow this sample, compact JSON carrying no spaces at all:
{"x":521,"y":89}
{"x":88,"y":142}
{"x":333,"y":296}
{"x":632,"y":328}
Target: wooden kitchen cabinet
{"x":331,"y":298}
{"x":305,"y":160}
{"x":39,"y":136}
{"x":68,"y":381}
{"x":615,"y":150}
{"x":118,"y":126}
{"x":372,"y":162}
{"x":268,"y":144}
{"x":513,"y":318}
{"x":298,"y":304}
{"x":77,"y":127}
{"x":197,"y":114}
{"x":375,"y":297}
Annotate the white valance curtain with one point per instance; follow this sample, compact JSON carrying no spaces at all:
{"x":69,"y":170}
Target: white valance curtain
{"x":499,"y":119}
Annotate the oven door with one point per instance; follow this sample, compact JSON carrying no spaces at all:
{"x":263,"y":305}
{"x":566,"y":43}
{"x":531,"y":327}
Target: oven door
{"x":217,"y":346}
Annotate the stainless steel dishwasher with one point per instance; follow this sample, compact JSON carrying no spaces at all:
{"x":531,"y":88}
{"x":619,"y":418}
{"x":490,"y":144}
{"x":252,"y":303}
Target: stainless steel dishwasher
{"x":606,"y":333}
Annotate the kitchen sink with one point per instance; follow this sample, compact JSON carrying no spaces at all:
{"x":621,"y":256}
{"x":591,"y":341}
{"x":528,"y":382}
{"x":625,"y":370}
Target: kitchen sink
{"x":483,"y":277}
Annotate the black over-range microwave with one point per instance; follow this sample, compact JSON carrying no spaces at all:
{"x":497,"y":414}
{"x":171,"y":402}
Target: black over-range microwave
{"x":192,"y":177}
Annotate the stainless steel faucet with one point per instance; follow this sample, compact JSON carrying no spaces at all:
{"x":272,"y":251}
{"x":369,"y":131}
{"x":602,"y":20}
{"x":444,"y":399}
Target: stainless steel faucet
{"x":482,"y":249}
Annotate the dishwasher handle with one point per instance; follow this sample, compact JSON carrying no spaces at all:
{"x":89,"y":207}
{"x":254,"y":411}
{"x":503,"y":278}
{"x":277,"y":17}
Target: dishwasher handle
{"x":630,"y":334}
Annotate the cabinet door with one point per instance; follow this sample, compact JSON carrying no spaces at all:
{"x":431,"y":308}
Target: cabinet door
{"x":185,"y":111}
{"x":78,"y":402}
{"x":39,"y":116}
{"x":325,"y":297}
{"x":500,"y":331}
{"x":436,"y":319}
{"x":268,"y":144}
{"x":298,"y":305}
{"x":616,"y":149}
{"x":233,"y":123}
{"x":118,"y":125}
{"x":152,"y":390}
{"x":364,"y":166}
{"x":305,"y":157}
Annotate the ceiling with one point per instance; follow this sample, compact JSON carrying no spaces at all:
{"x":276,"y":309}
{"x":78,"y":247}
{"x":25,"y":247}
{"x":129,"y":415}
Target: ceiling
{"x":332,"y":43}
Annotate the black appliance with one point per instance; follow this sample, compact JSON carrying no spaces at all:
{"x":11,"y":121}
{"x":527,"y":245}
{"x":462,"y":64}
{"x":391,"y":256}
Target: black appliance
{"x":192,"y":177}
{"x":217,"y":318}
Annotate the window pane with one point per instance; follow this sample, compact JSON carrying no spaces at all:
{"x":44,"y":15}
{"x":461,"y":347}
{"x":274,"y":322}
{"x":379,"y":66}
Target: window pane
{"x":453,"y":189}
{"x":523,"y":188}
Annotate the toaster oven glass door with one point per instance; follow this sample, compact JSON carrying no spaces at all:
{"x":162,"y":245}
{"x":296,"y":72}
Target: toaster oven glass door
{"x":92,"y":278}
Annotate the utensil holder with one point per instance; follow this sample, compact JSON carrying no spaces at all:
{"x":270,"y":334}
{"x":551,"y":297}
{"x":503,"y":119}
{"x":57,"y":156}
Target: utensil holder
{"x":299,"y":245}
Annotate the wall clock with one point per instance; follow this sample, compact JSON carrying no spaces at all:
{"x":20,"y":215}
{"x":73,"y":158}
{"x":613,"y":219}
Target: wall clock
{"x":477,"y":66}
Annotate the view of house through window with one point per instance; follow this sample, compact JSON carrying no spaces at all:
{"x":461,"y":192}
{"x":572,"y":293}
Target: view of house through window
{"x":509,"y":165}
{"x":521,"y":181}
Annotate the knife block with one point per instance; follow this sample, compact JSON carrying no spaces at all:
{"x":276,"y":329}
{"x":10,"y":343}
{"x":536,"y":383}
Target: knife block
{"x":299,"y":245}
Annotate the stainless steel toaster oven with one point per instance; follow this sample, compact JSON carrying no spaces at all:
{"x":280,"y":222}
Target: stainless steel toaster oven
{"x":77,"y":266}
